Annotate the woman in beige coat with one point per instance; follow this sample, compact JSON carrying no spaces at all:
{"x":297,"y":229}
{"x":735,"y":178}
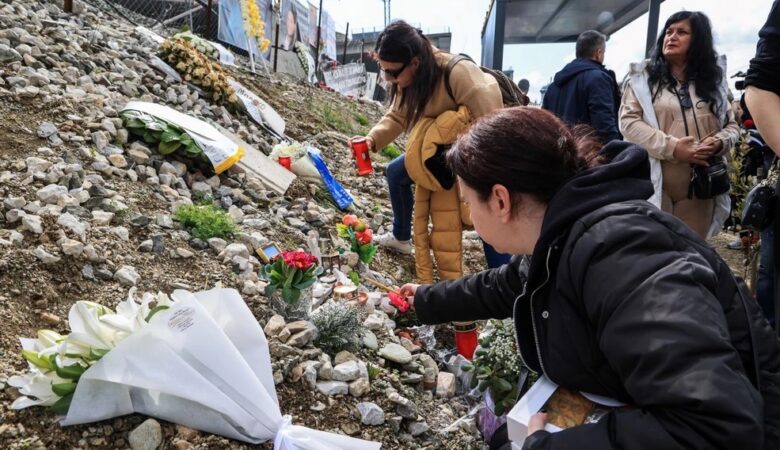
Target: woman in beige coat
{"x":675,"y":106}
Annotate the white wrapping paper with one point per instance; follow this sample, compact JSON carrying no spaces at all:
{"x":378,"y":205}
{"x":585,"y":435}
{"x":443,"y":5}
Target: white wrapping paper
{"x":203,"y":363}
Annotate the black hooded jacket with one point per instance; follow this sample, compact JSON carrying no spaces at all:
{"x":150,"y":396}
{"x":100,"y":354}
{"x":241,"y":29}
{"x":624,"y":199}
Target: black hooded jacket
{"x":586,"y":92}
{"x":623,"y":300}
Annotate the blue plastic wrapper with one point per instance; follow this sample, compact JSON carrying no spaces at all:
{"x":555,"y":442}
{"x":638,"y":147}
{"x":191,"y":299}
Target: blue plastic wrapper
{"x":339,"y":194}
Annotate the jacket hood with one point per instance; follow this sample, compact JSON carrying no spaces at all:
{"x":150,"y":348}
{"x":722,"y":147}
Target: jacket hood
{"x":625,"y":175}
{"x":574,"y":68}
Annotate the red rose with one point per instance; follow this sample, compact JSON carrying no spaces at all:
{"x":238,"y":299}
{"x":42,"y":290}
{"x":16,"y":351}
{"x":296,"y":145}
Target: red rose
{"x":361,"y":226}
{"x":350,"y":220}
{"x":398,"y":302}
{"x":364,"y":237}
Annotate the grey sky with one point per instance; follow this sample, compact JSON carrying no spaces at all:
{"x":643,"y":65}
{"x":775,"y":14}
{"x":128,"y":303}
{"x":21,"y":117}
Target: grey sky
{"x":736,"y":26}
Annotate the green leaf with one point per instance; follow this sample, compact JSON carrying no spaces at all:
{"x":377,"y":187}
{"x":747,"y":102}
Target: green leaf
{"x":501,"y":385}
{"x":63,"y":389}
{"x":367,"y":252}
{"x":483,"y":385}
{"x":291,"y":295}
{"x":134,"y":123}
{"x":166,"y":148}
{"x":270,"y":289}
{"x":62,"y":405}
{"x":149,"y":138}
{"x":32,"y":357}
{"x":305,"y":284}
{"x":500,"y":408}
{"x":97,"y":353}
{"x":474,"y":382}
{"x":466,"y":367}
{"x":155,"y":310}
{"x":170,"y":136}
{"x":71,"y":372}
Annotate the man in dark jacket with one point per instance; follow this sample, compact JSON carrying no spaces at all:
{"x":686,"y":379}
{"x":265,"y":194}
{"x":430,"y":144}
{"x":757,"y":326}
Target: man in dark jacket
{"x":585,"y":91}
{"x":624,"y":300}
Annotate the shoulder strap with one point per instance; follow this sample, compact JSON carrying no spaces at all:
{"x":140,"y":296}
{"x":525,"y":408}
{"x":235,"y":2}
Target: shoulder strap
{"x":448,"y":69}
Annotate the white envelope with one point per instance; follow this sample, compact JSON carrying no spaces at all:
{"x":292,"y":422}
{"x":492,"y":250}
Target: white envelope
{"x":203,"y":363}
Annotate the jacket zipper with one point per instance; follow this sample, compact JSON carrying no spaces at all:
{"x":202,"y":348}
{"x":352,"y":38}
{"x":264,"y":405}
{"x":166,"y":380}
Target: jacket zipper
{"x":517,"y":339}
{"x":533,"y":318}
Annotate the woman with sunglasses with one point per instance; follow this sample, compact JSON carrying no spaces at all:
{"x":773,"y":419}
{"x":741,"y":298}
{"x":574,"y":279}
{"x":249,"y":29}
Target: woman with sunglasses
{"x":415,"y":70}
{"x":675,"y":106}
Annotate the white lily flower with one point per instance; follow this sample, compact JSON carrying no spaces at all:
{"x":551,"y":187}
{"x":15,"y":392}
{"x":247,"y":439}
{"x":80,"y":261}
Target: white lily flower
{"x":85,"y":324}
{"x":35,"y":388}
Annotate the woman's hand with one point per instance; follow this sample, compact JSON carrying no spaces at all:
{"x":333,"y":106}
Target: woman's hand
{"x":407,"y":291}
{"x":537,"y":423}
{"x":687,"y":151}
{"x":710,"y":146}
{"x":369,"y":142}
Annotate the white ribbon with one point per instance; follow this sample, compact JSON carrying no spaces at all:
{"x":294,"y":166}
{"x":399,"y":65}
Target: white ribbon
{"x":283,"y":434}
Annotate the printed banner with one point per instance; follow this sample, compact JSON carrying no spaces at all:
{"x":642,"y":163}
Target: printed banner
{"x":349,"y":79}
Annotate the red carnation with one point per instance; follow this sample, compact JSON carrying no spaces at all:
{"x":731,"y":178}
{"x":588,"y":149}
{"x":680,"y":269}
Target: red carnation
{"x":398,"y":302}
{"x":364,"y":237}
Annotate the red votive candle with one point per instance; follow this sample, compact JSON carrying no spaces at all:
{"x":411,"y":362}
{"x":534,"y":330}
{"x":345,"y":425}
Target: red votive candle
{"x":362,"y":157}
{"x":286,"y":162}
{"x":465,"y":338}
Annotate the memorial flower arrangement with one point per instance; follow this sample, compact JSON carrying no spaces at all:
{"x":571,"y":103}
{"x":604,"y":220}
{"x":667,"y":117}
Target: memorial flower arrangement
{"x":302,"y":50}
{"x":406,"y":316}
{"x":196,"y":68}
{"x":254,"y":27}
{"x":359,"y":236}
{"x":290,"y":273}
{"x":496,"y":365}
{"x":56,"y":361}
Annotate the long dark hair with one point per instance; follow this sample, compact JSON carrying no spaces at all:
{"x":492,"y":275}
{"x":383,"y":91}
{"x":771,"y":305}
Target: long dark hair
{"x":527,"y":150}
{"x":702,"y":61}
{"x":400,"y":42}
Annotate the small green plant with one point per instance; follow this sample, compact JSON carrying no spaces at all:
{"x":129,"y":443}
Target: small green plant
{"x":336,"y":120}
{"x":354,"y":277}
{"x":339,"y":327}
{"x":496,"y":365}
{"x":202,"y":198}
{"x":205,"y":221}
{"x":373,"y":372}
{"x":361,"y":119}
{"x":392,"y":151}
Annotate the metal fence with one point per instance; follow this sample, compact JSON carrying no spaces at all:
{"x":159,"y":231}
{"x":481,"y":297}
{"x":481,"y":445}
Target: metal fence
{"x":200,"y":16}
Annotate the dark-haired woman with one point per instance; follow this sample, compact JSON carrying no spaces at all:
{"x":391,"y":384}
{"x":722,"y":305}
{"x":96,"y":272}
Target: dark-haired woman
{"x":675,"y":106}
{"x":414,"y":70}
{"x":620,"y":299}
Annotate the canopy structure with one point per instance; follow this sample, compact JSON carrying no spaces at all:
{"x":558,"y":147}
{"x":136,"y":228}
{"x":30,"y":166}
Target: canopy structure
{"x":552,"y":21}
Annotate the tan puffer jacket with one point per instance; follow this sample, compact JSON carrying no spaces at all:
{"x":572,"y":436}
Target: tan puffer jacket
{"x":432,"y":203}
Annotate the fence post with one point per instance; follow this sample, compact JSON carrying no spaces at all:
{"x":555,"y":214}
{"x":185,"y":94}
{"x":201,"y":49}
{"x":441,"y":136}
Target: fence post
{"x":67,"y":6}
{"x":346,"y":41}
{"x":208,"y":21}
{"x":276,"y":39}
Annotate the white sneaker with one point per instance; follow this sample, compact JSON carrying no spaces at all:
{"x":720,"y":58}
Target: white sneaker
{"x":389,"y":241}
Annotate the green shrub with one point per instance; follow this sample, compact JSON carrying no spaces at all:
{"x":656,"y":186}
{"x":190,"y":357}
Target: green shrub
{"x":361,"y":119}
{"x":205,"y":221}
{"x":339,"y":327}
{"x":392,"y":151}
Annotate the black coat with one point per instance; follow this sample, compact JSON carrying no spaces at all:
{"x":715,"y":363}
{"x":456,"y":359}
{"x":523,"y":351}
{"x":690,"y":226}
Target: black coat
{"x":624,"y":300}
{"x":585,"y":92}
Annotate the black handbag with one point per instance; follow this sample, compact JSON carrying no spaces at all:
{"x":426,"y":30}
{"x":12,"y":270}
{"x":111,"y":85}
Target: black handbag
{"x":758,"y":210}
{"x":710,"y":181}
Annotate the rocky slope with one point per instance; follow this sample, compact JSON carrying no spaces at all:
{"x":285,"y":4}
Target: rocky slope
{"x":86,"y":212}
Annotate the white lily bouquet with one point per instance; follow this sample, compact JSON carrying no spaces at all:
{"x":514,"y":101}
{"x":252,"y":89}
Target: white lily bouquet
{"x":200,"y":360}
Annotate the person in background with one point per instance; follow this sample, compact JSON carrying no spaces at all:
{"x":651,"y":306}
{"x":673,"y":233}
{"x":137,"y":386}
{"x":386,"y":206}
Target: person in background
{"x":762,"y":92}
{"x":524,"y":85}
{"x":414,"y":70}
{"x":675,"y":106}
{"x":762,"y":102}
{"x":620,"y":298}
{"x":585,"y":91}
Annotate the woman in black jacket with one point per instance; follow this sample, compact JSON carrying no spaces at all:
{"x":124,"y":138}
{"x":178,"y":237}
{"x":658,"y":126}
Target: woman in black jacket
{"x":621,"y":299}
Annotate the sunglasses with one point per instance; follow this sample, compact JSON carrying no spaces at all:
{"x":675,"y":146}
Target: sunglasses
{"x":685,"y":96}
{"x":395,"y":73}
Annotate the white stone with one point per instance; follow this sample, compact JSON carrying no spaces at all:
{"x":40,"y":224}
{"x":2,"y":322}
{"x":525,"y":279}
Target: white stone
{"x":374,"y":322}
{"x":127,"y":276}
{"x":184,"y":253}
{"x":333,"y":387}
{"x":117,"y":161}
{"x":35,"y":164}
{"x":147,"y":436}
{"x":369,"y":340}
{"x":347,"y":371}
{"x":14,"y":202}
{"x":72,"y":223}
{"x":233,"y":250}
{"x":359,"y":387}
{"x":71,"y":247}
{"x":217,"y":244}
{"x":44,"y":256}
{"x":32,"y":223}
{"x":371,"y":413}
{"x":274,"y":326}
{"x":396,"y":353}
{"x":445,"y":385}
{"x":14,"y":215}
{"x":102,"y":218}
{"x":121,"y":232}
{"x":52,"y":193}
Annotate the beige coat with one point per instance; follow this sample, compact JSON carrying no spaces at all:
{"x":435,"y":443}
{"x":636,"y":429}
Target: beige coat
{"x":433,"y":204}
{"x":470,"y":86}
